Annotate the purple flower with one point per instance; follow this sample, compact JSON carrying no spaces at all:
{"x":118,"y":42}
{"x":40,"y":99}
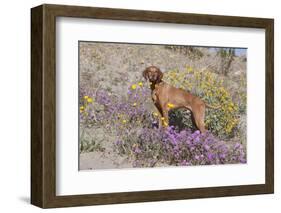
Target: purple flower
{"x":197,"y":140}
{"x":197,"y":132}
{"x":237,"y":146}
{"x":222,"y":155}
{"x":206,"y":147}
{"x":137,"y":150}
{"x":184,"y":163}
{"x":242,"y":160}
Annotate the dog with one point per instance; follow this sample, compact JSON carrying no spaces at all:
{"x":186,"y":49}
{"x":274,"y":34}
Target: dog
{"x":167,"y":97}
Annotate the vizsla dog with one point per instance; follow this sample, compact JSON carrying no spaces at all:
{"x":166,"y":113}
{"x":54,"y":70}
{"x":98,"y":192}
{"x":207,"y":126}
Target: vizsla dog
{"x":166,"y":97}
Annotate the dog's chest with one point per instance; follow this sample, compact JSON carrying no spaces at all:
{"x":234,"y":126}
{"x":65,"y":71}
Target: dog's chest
{"x":155,"y":95}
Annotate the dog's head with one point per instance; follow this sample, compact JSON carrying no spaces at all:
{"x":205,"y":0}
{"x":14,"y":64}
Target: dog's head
{"x":153,"y":74}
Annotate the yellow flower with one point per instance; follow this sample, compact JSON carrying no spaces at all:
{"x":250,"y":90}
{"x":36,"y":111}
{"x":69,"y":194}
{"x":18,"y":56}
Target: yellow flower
{"x":82,"y":109}
{"x":170,"y":105}
{"x":140,"y":84}
{"x":134,"y":104}
{"x":89,"y":100}
{"x":162,"y":118}
{"x":155,"y":114}
{"x":165,"y":123}
{"x":86,"y":97}
{"x":134,"y":86}
{"x":124,"y":121}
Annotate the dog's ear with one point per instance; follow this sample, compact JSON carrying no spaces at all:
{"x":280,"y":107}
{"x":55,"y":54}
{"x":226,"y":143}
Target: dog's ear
{"x":144,"y":73}
{"x":160,"y":75}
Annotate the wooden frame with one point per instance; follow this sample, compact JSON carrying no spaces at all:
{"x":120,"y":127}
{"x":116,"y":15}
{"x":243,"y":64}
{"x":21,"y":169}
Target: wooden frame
{"x":43,"y":105}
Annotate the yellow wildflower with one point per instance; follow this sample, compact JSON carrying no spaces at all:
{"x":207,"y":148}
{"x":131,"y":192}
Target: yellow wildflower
{"x":165,"y":123}
{"x":162,"y":118}
{"x":134,"y":86}
{"x":124,"y":121}
{"x":86,"y":97}
{"x":170,"y":105}
{"x":134,"y":104}
{"x":155,"y":114}
{"x":82,"y":109}
{"x":140,"y":84}
{"x":89,"y":100}
{"x":189,"y":69}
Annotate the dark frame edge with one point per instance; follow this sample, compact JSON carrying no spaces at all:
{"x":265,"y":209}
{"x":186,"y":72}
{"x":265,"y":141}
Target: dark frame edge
{"x":37,"y":190}
{"x":156,"y":16}
{"x":156,"y":196}
{"x":269,"y":118}
{"x":43,"y":107}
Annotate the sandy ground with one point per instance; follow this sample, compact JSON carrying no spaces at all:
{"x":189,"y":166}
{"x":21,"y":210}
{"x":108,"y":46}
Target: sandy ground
{"x":103,"y":160}
{"x":105,"y":157}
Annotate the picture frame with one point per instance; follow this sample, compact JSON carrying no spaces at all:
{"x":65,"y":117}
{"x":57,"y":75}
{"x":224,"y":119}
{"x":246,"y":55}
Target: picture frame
{"x":43,"y":105}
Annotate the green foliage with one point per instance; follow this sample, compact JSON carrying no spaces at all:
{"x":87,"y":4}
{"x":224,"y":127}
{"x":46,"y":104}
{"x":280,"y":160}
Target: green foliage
{"x":90,"y":145}
{"x":226,"y":58}
{"x":242,"y":95}
{"x":192,"y":52}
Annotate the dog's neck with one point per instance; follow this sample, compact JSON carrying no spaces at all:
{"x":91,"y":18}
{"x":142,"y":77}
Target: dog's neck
{"x":155,"y":84}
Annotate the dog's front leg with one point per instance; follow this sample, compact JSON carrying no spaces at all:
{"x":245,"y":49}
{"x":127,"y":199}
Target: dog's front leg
{"x":165,"y":118}
{"x":160,"y":114}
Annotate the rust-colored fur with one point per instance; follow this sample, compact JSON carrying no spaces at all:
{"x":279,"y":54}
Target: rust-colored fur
{"x":166,"y":97}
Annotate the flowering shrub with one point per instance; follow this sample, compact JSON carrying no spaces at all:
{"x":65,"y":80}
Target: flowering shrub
{"x":209,"y":87}
{"x":117,"y":113}
{"x":151,"y":146}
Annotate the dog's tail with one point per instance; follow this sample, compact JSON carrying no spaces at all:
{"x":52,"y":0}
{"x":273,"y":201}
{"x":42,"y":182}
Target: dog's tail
{"x":213,"y":107}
